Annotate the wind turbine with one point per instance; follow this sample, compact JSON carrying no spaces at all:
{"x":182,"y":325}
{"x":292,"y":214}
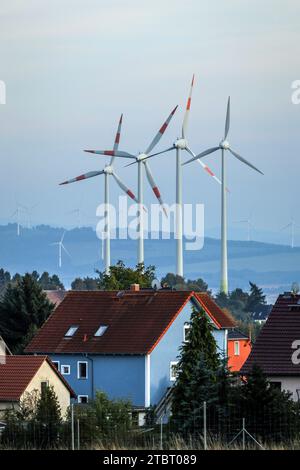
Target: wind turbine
{"x":224,"y":146}
{"x":107,"y":172}
{"x":61,"y":247}
{"x":17,"y":213}
{"x":292,"y":225}
{"x":182,"y":144}
{"x":250,"y":226}
{"x":142,"y":164}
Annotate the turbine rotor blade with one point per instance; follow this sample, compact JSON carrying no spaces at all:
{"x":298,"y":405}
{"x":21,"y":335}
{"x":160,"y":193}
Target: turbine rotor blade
{"x":204,"y":166}
{"x":150,"y":156}
{"x":117,"y":139}
{"x":227,"y":122}
{"x":90,"y":174}
{"x":202,"y":154}
{"x":243,"y":160}
{"x":160,"y":132}
{"x":65,"y":249}
{"x":124,"y":187}
{"x":154,"y":186}
{"x":112,"y":153}
{"x":187,"y":111}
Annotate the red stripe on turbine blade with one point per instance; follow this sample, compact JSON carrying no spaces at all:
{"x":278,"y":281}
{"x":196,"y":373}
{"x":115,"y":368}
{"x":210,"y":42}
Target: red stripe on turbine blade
{"x":117,"y":138}
{"x":130,"y":194}
{"x":163,"y":128}
{"x":80,"y":177}
{"x":188,"y":104}
{"x":111,"y":153}
{"x":209,"y":171}
{"x":156,"y":192}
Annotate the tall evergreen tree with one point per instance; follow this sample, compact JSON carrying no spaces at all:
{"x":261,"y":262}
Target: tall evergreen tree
{"x":23,"y":309}
{"x":196,"y":370}
{"x":256,"y":298}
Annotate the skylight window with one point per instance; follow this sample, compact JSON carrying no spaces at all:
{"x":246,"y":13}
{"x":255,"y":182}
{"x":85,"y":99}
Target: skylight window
{"x":101,"y":330}
{"x":71,"y":331}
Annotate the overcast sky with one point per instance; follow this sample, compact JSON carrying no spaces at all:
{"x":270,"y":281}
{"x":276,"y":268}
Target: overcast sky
{"x":71,"y":67}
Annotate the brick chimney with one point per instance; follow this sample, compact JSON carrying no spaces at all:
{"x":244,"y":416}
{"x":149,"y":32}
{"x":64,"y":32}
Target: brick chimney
{"x":134,"y":287}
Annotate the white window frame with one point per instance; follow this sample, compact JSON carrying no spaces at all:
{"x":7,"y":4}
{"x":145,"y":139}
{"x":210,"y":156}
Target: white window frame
{"x":237,"y":348}
{"x":172,"y":363}
{"x":186,"y":327}
{"x":65,"y":365}
{"x":72,"y":327}
{"x":58,"y":364}
{"x":100,"y":331}
{"x":81,"y":396}
{"x":87,"y":370}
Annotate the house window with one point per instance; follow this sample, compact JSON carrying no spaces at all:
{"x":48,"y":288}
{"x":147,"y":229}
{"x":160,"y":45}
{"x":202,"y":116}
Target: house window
{"x":186,"y":330}
{"x":83,"y":398}
{"x":82,"y":370}
{"x":56,"y":364}
{"x":44,"y":386}
{"x":101,"y":330}
{"x":173,"y":370}
{"x":236,"y":348}
{"x":65,"y":369}
{"x":71,"y":331}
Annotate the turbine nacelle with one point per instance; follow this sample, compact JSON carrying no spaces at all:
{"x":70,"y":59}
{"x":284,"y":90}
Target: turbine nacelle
{"x":224,"y":144}
{"x":141,"y":157}
{"x":181,"y":144}
{"x":108,"y":170}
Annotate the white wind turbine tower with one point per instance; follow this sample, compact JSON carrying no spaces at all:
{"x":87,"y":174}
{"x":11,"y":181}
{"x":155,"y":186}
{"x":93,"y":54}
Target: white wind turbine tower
{"x":142,"y":164}
{"x":182,"y":144}
{"x":224,"y":146}
{"x":61,"y":247}
{"x":292,"y":225}
{"x":107,"y":172}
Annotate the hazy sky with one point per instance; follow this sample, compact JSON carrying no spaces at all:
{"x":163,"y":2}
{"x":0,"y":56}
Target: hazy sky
{"x":71,"y":67}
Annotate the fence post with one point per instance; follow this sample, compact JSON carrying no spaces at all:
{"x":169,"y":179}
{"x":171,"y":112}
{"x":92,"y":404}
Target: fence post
{"x":244,"y":434}
{"x":204,"y":426}
{"x":78,"y":434}
{"x":72,"y":427}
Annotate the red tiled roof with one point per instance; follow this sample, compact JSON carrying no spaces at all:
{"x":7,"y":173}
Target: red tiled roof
{"x":18,"y":371}
{"x":221,"y":318}
{"x":273,"y":347}
{"x":136,"y":321}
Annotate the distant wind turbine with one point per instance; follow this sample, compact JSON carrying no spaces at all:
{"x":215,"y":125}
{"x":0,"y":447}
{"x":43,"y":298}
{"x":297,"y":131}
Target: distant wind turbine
{"x":292,"y":225}
{"x":17,"y":214}
{"x":61,"y":247}
{"x":224,"y":146}
{"x":250,"y":226}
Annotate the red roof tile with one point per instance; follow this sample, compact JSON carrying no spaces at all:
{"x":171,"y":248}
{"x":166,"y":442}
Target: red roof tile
{"x":136,"y":321}
{"x":273,"y":347}
{"x":18,"y":371}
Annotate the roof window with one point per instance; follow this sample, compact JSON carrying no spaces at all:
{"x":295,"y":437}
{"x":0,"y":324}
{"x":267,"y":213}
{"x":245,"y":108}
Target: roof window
{"x":101,"y":330}
{"x":71,"y":331}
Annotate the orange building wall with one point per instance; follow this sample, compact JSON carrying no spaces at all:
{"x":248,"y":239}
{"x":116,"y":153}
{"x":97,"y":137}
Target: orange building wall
{"x":235,"y":362}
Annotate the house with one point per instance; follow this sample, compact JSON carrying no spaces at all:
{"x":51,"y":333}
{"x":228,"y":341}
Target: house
{"x":20,"y":375}
{"x":261,"y":315}
{"x":239,"y":348}
{"x":277,"y":348}
{"x":124,"y":343}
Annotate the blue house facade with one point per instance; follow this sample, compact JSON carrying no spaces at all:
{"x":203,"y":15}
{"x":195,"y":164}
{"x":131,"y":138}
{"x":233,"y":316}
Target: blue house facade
{"x":135,"y":355}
